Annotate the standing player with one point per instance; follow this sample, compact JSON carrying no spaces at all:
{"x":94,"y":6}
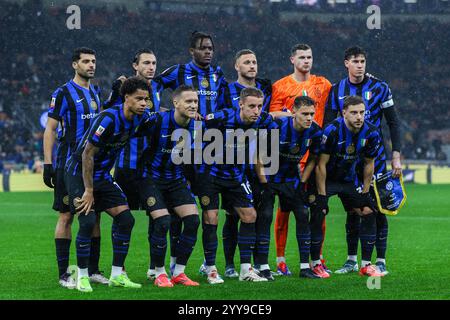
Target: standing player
{"x":246,"y":65}
{"x":88,"y":180}
{"x":298,"y":134}
{"x":164,"y":186}
{"x":208,"y":81}
{"x":346,"y":142}
{"x":73,"y":106}
{"x":378,"y":100}
{"x":300,"y":83}
{"x":129,"y":166}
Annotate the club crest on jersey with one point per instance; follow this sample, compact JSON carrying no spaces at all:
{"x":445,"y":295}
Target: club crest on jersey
{"x":209,"y":116}
{"x":214,"y":77}
{"x":52,"y":103}
{"x":99,"y":131}
{"x":93,"y":105}
{"x":149,"y":103}
{"x":350,"y":149}
{"x":368,"y":95}
{"x":204,"y":83}
{"x":324,"y":139}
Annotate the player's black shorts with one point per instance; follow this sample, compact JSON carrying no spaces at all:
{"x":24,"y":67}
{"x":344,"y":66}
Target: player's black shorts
{"x":234,"y":193}
{"x":289,"y":195}
{"x":107,"y":193}
{"x":129,"y":182}
{"x":255,"y":188}
{"x":165,"y":194}
{"x":347,"y":192}
{"x":60,"y":194}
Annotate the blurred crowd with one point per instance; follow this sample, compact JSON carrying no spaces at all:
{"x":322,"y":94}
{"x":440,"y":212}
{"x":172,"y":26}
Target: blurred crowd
{"x":36,"y":50}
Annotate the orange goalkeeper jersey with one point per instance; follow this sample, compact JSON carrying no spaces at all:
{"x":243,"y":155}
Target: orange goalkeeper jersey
{"x":285,"y":90}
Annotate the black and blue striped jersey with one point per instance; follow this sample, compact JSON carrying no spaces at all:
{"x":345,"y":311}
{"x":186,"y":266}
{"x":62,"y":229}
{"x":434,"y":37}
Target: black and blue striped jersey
{"x":229,"y":95}
{"x":109,"y":132}
{"x":377,"y":97}
{"x":347,"y":149}
{"x":233,"y":164}
{"x":208,"y":83}
{"x":74,"y":107}
{"x":293,"y":145}
{"x":131,"y":155}
{"x":160,"y":128}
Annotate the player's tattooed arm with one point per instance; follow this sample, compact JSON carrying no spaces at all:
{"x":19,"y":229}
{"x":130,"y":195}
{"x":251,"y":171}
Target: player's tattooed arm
{"x":87,"y":200}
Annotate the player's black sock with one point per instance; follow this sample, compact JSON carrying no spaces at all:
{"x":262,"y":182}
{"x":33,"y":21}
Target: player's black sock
{"x":209,"y":239}
{"x":187,"y":239}
{"x":246,"y":241}
{"x":303,"y":234}
{"x":94,"y":257}
{"x":149,"y":238}
{"x":316,"y":233}
{"x":262,"y":246}
{"x":382,"y":234}
{"x":176,"y":225}
{"x":367,"y":236}
{"x":62,"y":254}
{"x":121,"y":238}
{"x":83,"y":241}
{"x":352,"y":228}
{"x":229,"y":238}
{"x":158,"y":241}
{"x":262,"y":227}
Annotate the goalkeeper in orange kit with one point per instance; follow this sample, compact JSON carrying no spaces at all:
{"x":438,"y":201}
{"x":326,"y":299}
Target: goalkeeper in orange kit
{"x":300,"y":83}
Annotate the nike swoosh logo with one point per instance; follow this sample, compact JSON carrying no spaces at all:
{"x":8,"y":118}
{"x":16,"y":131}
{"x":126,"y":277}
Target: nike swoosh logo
{"x":284,"y":142}
{"x":340,"y":98}
{"x":82,"y":246}
{"x":166,"y":136}
{"x":341,"y":142}
{"x":190,"y":77}
{"x":80,"y":100}
{"x":235,"y":98}
{"x":126,"y":243}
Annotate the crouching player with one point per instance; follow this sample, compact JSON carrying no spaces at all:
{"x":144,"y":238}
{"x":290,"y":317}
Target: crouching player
{"x":164,"y":185}
{"x":346,"y":142}
{"x":297,"y":135}
{"x":90,"y":184}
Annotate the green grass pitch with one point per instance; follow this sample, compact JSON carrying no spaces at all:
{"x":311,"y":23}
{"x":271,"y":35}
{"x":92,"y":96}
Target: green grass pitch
{"x":417,"y":258}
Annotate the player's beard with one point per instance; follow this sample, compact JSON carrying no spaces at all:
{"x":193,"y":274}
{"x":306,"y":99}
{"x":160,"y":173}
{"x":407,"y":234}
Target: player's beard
{"x":85,"y":75}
